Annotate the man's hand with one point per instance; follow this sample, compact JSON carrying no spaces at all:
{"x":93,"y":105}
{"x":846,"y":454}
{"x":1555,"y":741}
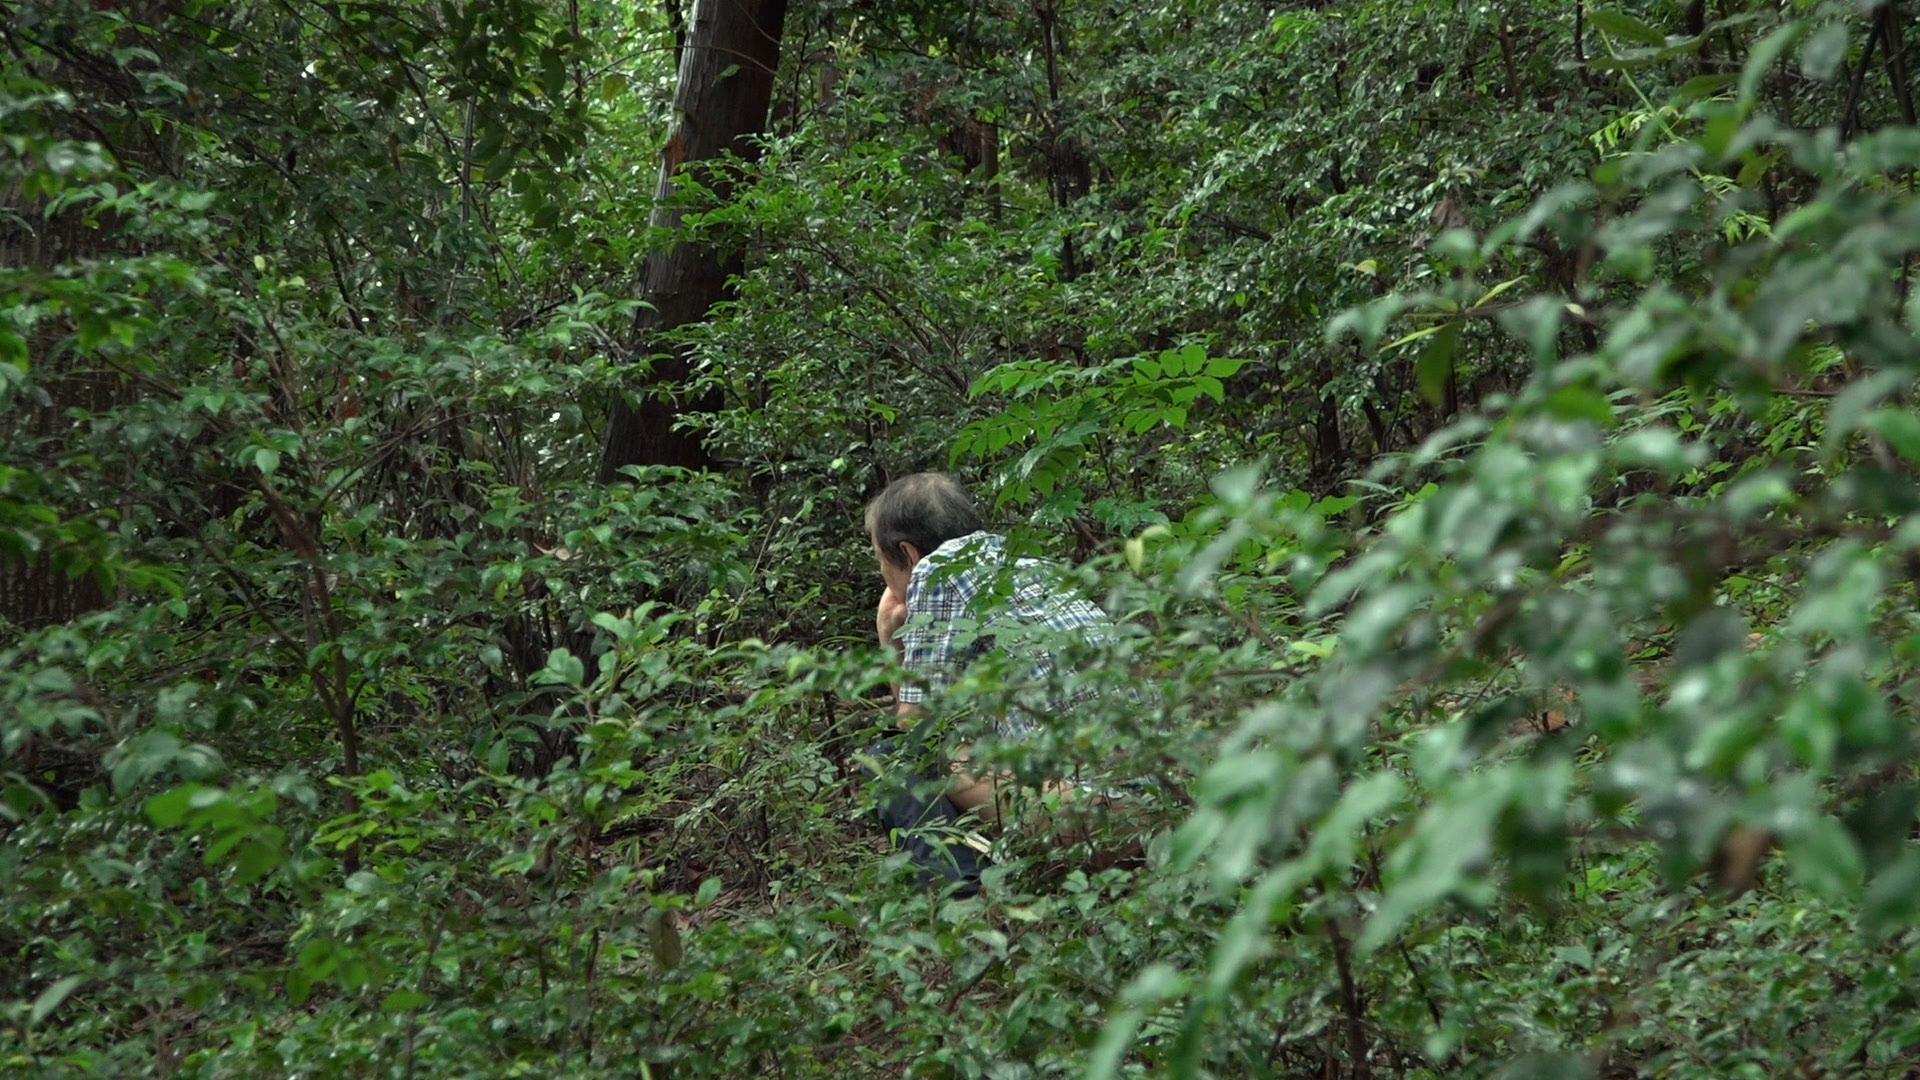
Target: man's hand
{"x":889,"y":618}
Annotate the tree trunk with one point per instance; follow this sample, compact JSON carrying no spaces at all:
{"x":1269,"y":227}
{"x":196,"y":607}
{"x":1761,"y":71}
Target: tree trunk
{"x":727,"y":63}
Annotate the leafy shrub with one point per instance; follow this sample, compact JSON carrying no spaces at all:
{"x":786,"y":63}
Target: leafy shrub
{"x":1535,"y":704}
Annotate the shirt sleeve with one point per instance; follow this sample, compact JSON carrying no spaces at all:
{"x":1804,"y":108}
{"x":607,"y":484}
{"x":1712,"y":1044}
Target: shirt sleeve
{"x":925,"y":646}
{"x":931,"y":644}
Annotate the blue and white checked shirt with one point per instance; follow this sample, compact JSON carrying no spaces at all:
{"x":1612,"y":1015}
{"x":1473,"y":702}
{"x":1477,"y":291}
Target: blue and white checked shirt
{"x":966,"y":599}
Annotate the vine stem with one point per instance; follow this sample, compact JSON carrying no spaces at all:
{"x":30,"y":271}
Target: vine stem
{"x":1350,"y":1001}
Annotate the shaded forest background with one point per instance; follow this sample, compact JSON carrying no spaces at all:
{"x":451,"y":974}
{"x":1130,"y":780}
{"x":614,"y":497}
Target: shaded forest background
{"x":433,"y":644}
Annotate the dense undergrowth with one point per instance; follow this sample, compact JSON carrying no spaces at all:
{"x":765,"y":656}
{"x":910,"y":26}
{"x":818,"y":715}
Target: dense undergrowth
{"x":1490,"y":429}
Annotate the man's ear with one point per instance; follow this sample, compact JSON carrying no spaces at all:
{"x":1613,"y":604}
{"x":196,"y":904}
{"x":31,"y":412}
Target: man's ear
{"x":912,"y":553}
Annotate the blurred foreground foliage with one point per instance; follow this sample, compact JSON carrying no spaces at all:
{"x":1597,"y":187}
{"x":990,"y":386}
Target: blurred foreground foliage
{"x":1492,"y":430}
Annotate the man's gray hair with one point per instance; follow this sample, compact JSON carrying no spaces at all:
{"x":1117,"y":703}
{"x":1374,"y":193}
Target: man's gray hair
{"x":925,"y":510}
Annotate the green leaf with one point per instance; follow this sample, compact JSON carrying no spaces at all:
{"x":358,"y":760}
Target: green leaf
{"x":142,"y":757}
{"x":664,"y":939}
{"x":709,"y":891}
{"x":299,"y":986}
{"x":1632,"y":60}
{"x":620,"y":628}
{"x":402,"y":1000}
{"x":1824,"y":856}
{"x":1705,"y":86}
{"x":1622,"y":25}
{"x":169,"y":809}
{"x":1579,"y":403}
{"x":1159,"y":983}
{"x":13,"y":355}
{"x":257,"y":856}
{"x":1236,"y":486}
{"x":51,"y":997}
{"x":1755,"y":168}
{"x":1435,"y":363}
{"x":564,"y":667}
{"x":1892,"y":902}
{"x":1116,"y":1039}
{"x":1188,"y":360}
{"x":1851,"y":407}
{"x":1820,"y":57}
{"x":1762,"y":58}
{"x":1416,"y":335}
{"x":1498,"y":289}
{"x":1900,"y":428}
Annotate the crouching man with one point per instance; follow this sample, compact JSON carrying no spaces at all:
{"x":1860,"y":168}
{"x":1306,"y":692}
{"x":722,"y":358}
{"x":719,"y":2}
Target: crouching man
{"x":952,"y":597}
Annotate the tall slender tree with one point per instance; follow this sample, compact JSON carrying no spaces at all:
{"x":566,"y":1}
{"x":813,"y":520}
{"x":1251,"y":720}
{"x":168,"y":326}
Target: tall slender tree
{"x":727,"y":62}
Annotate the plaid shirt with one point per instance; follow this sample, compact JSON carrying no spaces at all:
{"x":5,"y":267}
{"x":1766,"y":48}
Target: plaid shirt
{"x":966,"y":599}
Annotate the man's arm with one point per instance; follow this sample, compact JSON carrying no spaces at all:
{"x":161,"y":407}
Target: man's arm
{"x":888,"y":618}
{"x":967,"y":792}
{"x":979,"y":794}
{"x":988,"y":795}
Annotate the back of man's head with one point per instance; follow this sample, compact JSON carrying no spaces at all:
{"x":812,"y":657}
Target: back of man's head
{"x":925,"y":510}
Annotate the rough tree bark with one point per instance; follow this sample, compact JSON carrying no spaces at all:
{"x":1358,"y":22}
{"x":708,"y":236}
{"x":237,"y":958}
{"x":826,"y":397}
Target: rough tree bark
{"x":727,"y":63}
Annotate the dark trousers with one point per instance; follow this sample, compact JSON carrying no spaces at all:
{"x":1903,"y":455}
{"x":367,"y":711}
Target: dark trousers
{"x":924,"y":823}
